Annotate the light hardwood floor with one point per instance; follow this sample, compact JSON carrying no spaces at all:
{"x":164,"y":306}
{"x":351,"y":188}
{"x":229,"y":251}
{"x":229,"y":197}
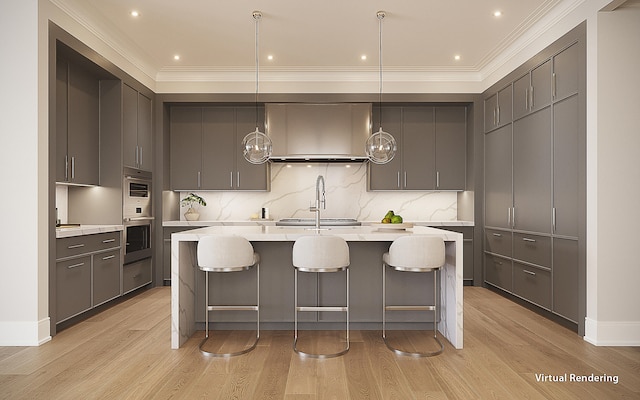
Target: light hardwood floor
{"x":124,"y":353}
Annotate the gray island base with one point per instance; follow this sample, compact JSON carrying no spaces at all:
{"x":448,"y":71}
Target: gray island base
{"x":274,"y":243}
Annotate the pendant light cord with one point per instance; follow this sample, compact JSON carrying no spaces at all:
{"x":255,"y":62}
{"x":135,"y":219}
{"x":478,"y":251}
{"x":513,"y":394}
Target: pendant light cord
{"x":257,"y":16}
{"x":380,"y":15}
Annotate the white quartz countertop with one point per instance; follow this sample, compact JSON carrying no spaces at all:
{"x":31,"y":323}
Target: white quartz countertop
{"x":86,"y":230}
{"x":285,"y":233}
{"x":265,"y":222}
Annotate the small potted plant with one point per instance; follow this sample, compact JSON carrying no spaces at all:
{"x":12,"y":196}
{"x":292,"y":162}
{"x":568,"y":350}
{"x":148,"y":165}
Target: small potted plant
{"x":191,"y":200}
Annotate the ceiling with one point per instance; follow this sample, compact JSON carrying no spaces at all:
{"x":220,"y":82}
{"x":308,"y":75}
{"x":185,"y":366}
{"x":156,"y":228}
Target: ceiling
{"x":419,"y":36}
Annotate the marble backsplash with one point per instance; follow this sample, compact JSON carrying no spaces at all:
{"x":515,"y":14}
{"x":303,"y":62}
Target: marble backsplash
{"x":293,"y":191}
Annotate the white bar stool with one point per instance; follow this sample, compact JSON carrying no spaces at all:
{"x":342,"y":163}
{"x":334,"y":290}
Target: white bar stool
{"x":419,"y":253}
{"x":223,"y":253}
{"x":320,"y":254}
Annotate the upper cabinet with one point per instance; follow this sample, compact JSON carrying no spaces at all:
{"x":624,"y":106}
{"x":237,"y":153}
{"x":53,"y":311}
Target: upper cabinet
{"x":136,"y":124}
{"x":77,"y":124}
{"x":206,"y":151}
{"x":566,"y":72}
{"x":431,"y":151}
{"x":497,"y":109}
{"x":532,"y":92}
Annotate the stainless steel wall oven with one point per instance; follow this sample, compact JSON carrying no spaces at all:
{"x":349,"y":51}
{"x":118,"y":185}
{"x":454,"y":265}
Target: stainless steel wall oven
{"x":137,"y":215}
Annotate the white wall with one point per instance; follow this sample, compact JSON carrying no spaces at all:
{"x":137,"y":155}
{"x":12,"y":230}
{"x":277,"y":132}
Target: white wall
{"x":613,"y":312}
{"x":23,"y":151}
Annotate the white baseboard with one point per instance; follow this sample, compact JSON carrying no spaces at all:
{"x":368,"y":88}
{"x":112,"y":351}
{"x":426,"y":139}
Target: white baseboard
{"x":25,"y":333}
{"x":612,"y":333}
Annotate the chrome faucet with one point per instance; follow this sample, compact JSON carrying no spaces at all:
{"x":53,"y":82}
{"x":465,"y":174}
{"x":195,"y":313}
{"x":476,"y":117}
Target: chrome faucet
{"x":319,"y":200}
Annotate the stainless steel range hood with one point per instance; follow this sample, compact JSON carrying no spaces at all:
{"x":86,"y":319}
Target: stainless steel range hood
{"x":318,"y":132}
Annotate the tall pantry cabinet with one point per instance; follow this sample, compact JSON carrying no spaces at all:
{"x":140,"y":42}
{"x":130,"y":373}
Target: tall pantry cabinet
{"x":534,"y":200}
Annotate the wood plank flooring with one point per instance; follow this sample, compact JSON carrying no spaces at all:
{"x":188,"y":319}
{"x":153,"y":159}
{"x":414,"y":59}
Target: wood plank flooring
{"x":124,"y":353}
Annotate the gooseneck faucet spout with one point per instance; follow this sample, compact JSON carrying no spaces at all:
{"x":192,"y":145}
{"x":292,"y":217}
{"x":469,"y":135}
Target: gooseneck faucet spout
{"x":320,"y":199}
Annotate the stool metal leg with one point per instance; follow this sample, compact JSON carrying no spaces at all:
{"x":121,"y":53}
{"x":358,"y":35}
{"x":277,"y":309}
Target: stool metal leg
{"x":314,"y":309}
{"x":209,"y":308}
{"x":433,"y":308}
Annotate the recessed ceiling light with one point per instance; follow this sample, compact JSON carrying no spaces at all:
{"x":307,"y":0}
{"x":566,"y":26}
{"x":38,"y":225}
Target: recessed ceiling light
{"x":176,"y":57}
{"x":135,"y":13}
{"x":269,"y":57}
{"x":497,"y":13}
{"x":456,"y":57}
{"x":363,"y":57}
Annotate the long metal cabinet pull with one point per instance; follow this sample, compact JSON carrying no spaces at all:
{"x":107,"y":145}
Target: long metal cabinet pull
{"x":495,"y":121}
{"x":529,"y":272}
{"x":73,"y":168}
{"x":533,"y":99}
{"x":437,"y":179}
{"x":498,"y":112}
{"x":528,"y":240}
{"x":526,"y":99}
{"x":553,"y":85}
{"x":398,"y":179}
{"x":497,"y":235}
{"x":553,"y":219}
{"x":238,"y":179}
{"x":137,"y":157}
{"x":140,"y":164}
{"x":509,"y":216}
{"x":231,"y":179}
{"x":66,"y":167}
{"x":108,"y":257}
{"x":75,"y":246}
{"x":108,"y":241}
{"x":513,"y":217}
{"x":199,"y":180}
{"x":405,"y":179}
{"x":75,"y":265}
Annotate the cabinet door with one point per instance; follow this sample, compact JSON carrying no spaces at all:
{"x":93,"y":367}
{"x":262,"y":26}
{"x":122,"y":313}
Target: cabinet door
{"x":521,"y":96}
{"x":566,"y":72}
{"x":136,"y":275}
{"x":249,"y":176}
{"x":565,"y":278}
{"x":418,"y":148}
{"x":451,"y":154}
{"x":129,"y":126}
{"x":106,"y":276}
{"x":387,"y":176}
{"x":73,"y":287}
{"x":186,"y":147}
{"x":532,"y":172}
{"x":541,"y":86}
{"x":218,"y":148}
{"x":566,"y":169}
{"x":498,"y":186}
{"x":83,"y":127}
{"x":145,"y":135}
{"x":490,"y":112}
{"x":504,"y":114}
{"x":498,"y":271}
{"x":62,"y":85}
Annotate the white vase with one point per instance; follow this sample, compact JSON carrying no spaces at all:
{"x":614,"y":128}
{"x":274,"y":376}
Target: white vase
{"x":191,"y":215}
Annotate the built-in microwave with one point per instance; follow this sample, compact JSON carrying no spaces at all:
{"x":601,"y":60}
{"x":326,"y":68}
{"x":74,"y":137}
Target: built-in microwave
{"x":137,"y":216}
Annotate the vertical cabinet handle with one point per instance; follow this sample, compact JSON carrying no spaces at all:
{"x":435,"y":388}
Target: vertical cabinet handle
{"x":526,"y":99}
{"x":66,"y":167}
{"x":532,"y":98}
{"x":437,"y":179}
{"x":498,"y":112}
{"x":199,"y":180}
{"x":398,"y":179}
{"x":238,"y":179}
{"x":495,"y":117}
{"x":231,"y":179}
{"x":553,"y":85}
{"x":405,"y":179}
{"x":553,"y":219}
{"x":73,"y":168}
{"x":137,"y":157}
{"x":140,"y":165}
{"x":513,"y":217}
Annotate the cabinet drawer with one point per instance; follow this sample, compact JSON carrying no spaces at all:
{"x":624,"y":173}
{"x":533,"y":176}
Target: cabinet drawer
{"x":498,"y":242}
{"x":532,"y":249}
{"x":76,"y":245}
{"x":136,"y":275}
{"x":106,"y":276}
{"x":498,"y":271}
{"x":532,"y":284}
{"x":73,"y":287}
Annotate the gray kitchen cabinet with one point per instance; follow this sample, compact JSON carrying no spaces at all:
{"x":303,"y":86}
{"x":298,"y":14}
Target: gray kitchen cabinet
{"x":566,"y":72}
{"x":137,"y":133}
{"x":88,"y":270}
{"x":532,"y":157}
{"x":136,"y":275}
{"x":186,"y":147}
{"x":497,"y":109}
{"x":431,"y":149}
{"x":532,"y":91}
{"x":498,"y":177}
{"x":206,"y":149}
{"x":387,"y":176}
{"x":566,"y":172}
{"x":534,"y":184}
{"x":77,"y":124}
{"x":106,"y":269}
{"x":451,"y":140}
{"x":73,"y":287}
{"x":565,"y":278}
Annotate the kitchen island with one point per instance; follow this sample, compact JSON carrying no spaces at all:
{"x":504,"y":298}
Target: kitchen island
{"x":274,"y":243}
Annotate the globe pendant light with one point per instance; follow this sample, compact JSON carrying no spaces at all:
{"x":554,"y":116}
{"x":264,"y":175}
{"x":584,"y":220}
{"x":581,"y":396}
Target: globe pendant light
{"x":381,"y":146}
{"x":257,"y":146}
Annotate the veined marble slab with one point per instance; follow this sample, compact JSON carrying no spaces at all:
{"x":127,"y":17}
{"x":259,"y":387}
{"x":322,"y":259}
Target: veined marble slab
{"x":183,"y":259}
{"x":272,"y":223}
{"x":86,"y":230}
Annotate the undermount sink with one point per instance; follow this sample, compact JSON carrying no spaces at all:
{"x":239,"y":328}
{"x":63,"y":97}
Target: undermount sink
{"x":323,"y":222}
